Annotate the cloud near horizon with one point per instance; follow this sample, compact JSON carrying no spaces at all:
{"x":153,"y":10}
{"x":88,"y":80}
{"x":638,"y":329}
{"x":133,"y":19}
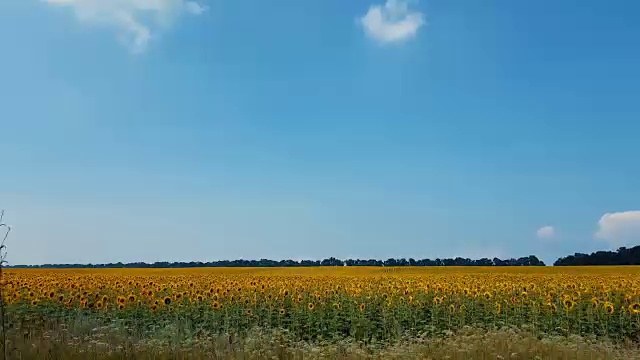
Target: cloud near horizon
{"x":136,"y":21}
{"x":546,"y":232}
{"x":620,"y":228}
{"x":392,"y":22}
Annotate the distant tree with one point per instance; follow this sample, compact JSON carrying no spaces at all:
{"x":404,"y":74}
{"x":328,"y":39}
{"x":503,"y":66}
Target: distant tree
{"x":629,"y":256}
{"x":622,"y":256}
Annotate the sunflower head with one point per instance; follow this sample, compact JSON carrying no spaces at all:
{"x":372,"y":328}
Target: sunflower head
{"x":568,"y":304}
{"x":609,"y":308}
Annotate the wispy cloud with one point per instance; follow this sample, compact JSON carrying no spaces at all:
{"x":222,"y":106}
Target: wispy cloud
{"x":195,"y":8}
{"x":392,"y":22}
{"x":136,"y":21}
{"x":546,"y":232}
{"x":620,"y":228}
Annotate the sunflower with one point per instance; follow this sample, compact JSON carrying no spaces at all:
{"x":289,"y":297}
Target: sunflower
{"x":282,"y":312}
{"x":310,"y":306}
{"x":568,"y":304}
{"x":487,"y":295}
{"x":609,"y":308}
{"x":437,"y":300}
{"x":121,"y":306}
{"x":167,"y":300}
{"x":216,"y":305}
{"x":248,"y":312}
{"x":361,"y":307}
{"x":99,"y":305}
{"x":634,"y":308}
{"x":132,"y":298}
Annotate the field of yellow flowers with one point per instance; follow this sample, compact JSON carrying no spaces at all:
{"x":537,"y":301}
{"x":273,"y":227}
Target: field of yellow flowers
{"x":365,"y":304}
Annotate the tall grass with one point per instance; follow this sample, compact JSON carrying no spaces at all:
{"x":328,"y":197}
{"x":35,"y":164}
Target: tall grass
{"x":82,"y":339}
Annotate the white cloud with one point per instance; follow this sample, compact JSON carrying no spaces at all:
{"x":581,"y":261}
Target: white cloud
{"x":546,"y":232}
{"x":136,"y":21}
{"x":392,"y":22}
{"x":620,"y":228}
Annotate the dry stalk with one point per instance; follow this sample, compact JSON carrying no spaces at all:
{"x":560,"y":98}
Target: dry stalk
{"x":3,"y":255}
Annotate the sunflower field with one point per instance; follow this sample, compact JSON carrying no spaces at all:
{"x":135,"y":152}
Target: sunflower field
{"x":321,"y":304}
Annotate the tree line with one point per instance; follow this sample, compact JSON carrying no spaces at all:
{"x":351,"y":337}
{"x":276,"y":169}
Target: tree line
{"x":622,"y":256}
{"x":523,"y":261}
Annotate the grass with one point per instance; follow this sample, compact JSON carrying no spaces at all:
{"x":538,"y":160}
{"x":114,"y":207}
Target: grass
{"x":81,"y":338}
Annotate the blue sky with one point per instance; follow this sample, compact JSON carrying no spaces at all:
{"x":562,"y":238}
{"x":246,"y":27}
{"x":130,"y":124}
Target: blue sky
{"x":148,"y":130}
